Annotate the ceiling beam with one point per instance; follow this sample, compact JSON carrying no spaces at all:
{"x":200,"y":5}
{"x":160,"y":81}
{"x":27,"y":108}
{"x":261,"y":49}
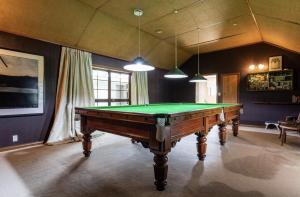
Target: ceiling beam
{"x":255,"y":21}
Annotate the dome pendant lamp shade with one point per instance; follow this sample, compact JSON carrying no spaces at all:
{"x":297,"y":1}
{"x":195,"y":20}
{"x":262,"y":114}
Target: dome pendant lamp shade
{"x":198,"y":78}
{"x":139,"y":64}
{"x":175,"y":73}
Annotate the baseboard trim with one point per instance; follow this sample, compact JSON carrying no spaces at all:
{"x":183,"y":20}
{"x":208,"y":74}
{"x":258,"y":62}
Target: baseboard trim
{"x":21,"y":146}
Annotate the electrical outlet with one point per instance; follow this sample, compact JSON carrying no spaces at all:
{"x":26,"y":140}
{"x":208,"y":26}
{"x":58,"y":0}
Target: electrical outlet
{"x":15,"y":138}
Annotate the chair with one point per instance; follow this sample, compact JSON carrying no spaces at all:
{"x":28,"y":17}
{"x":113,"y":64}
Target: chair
{"x":291,"y":123}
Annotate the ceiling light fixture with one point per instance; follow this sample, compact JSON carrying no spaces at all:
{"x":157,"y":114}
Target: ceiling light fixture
{"x":159,"y":31}
{"x":139,"y":64}
{"x":198,"y":77}
{"x":176,"y":73}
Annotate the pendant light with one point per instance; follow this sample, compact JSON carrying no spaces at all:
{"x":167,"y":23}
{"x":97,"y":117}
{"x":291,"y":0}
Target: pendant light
{"x":139,"y":64}
{"x":198,"y":78}
{"x":176,"y":73}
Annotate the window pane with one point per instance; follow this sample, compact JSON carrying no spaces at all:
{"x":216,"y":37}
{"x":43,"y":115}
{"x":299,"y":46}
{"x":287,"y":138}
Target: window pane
{"x":124,"y":77}
{"x":115,"y":85}
{"x":95,"y":74}
{"x":115,"y":94}
{"x":101,"y":103}
{"x":115,"y":76}
{"x":95,"y":84}
{"x":95,"y":94}
{"x":124,"y":86}
{"x":103,"y":94}
{"x":103,"y":75}
{"x":103,"y":85}
{"x":124,"y":94}
{"x":115,"y":103}
{"x":124,"y":103}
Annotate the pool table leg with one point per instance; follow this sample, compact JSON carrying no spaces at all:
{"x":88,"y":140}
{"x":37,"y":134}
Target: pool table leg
{"x":201,"y":145}
{"x":222,"y":133}
{"x":87,"y":144}
{"x":160,"y":171}
{"x":235,"y":126}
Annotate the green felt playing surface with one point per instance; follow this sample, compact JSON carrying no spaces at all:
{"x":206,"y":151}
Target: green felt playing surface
{"x":165,"y":108}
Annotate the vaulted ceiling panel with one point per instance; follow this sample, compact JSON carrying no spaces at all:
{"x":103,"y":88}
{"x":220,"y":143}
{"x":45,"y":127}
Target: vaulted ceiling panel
{"x":153,"y":9}
{"x":280,"y":9}
{"x":280,"y":33}
{"x":95,"y":3}
{"x":108,"y":27}
{"x":57,"y":21}
{"x":109,"y":36}
{"x":215,"y":11}
{"x":240,"y":25}
{"x":229,"y":42}
{"x":163,"y":55}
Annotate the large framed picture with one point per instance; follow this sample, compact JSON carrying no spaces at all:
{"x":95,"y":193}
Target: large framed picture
{"x":275,"y":63}
{"x":21,"y":83}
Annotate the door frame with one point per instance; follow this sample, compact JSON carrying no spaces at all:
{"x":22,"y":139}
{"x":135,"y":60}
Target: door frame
{"x":221,"y":85}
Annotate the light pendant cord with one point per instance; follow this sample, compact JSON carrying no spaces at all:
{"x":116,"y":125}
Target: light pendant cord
{"x":175,"y":51}
{"x":198,"y":49}
{"x":139,"y":35}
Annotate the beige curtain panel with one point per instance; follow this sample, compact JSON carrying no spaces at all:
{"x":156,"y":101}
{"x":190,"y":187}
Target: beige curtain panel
{"x":75,"y":89}
{"x":139,"y":88}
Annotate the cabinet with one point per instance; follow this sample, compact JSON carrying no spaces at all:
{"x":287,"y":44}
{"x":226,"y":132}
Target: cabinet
{"x":271,"y":81}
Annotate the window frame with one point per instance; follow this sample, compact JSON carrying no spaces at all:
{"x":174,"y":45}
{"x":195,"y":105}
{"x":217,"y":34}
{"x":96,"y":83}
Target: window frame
{"x":109,"y":100}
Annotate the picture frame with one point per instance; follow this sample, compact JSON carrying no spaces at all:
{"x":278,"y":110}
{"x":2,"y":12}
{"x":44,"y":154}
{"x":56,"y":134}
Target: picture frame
{"x":275,"y":63}
{"x":21,"y":83}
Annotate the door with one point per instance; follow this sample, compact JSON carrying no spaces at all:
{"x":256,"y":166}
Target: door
{"x":230,"y":88}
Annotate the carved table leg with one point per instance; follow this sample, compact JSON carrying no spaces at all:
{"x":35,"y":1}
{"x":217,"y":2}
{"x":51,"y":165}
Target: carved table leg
{"x":222,"y":133}
{"x":201,"y":145}
{"x":87,"y":144}
{"x":235,"y":126}
{"x":160,"y":171}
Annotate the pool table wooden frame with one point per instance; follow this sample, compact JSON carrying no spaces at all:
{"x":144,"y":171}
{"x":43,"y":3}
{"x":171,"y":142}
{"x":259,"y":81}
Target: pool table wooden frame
{"x":143,"y":128}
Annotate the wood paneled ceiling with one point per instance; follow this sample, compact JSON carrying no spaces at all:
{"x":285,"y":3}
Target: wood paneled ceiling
{"x":108,"y":27}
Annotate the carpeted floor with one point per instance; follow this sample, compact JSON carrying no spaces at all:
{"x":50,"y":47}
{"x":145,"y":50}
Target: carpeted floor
{"x":253,"y":164}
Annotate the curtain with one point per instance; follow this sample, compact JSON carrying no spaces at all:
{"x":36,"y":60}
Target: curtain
{"x":139,"y":88}
{"x":75,"y":89}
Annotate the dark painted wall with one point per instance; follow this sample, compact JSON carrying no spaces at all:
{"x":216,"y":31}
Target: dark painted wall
{"x":237,"y":60}
{"x":36,"y":128}
{"x":157,"y":84}
{"x":32,"y":128}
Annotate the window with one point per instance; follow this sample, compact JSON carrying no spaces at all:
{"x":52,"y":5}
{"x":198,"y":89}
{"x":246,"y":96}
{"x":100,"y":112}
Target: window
{"x":111,"y":88}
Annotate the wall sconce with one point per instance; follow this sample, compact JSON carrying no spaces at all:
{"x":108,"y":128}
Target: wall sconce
{"x":252,"y":67}
{"x":261,"y":66}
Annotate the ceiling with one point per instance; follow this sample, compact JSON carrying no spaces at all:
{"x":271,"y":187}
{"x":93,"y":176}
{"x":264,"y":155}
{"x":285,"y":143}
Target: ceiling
{"x":108,"y":27}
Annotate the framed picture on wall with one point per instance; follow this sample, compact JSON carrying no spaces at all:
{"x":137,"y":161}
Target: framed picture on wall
{"x":275,"y":63}
{"x":21,"y":83}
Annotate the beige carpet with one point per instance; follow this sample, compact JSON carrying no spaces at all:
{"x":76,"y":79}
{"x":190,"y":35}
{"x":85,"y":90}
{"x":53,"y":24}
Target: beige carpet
{"x":253,"y":164}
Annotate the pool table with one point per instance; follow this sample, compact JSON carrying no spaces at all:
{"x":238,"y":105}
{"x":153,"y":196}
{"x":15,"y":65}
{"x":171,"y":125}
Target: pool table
{"x":159,"y":127}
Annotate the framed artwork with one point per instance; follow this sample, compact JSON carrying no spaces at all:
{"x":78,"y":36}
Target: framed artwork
{"x":275,"y":63}
{"x":21,"y":83}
